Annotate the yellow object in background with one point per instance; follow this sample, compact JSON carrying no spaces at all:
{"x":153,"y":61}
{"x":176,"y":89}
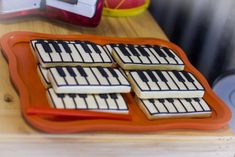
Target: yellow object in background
{"x":118,"y":12}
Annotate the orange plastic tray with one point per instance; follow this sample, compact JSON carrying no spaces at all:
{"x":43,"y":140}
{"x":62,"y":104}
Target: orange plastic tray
{"x":35,"y":107}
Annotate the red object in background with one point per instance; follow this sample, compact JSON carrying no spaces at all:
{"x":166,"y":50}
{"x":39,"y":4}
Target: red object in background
{"x":123,"y":4}
{"x":55,"y":12}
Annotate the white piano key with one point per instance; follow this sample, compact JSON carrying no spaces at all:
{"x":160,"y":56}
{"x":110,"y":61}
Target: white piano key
{"x":134,"y":59}
{"x":113,"y":80}
{"x":196,"y":105}
{"x":204,"y":105}
{"x":152,"y":85}
{"x":108,"y":49}
{"x":196,"y":82}
{"x":179,"y":106}
{"x":161,"y":59}
{"x":94,"y":54}
{"x":81,"y":104}
{"x":101,"y":102}
{"x":65,"y":56}
{"x":80,"y":79}
{"x":75,"y":55}
{"x":106,"y":57}
{"x":142,"y":85}
{"x":86,"y":56}
{"x":170,"y":82}
{"x":71,"y":80}
{"x":111,"y":103}
{"x":122,"y":76}
{"x":163,"y":85}
{"x":102,"y":79}
{"x":179,"y":61}
{"x":45,"y":57}
{"x":33,"y":44}
{"x":57,"y":102}
{"x":187,"y":105}
{"x":91,"y":78}
{"x":124,"y":58}
{"x":150,"y":107}
{"x":190,"y":85}
{"x":144,"y":59}
{"x":53,"y":75}
{"x":69,"y":102}
{"x":160,"y":106}
{"x":169,"y":59}
{"x":181,"y":85}
{"x":91,"y":102}
{"x":121,"y":102}
{"x":55,"y":56}
{"x":170,"y":107}
{"x":153,"y":59}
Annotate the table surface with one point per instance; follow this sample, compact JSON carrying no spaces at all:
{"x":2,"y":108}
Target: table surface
{"x":16,"y":133}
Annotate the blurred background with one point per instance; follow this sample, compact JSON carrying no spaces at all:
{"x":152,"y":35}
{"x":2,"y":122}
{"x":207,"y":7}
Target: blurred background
{"x":204,"y":29}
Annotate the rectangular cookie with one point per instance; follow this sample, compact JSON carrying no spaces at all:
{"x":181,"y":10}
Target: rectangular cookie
{"x":114,"y":103}
{"x":150,"y":84}
{"x":88,"y":80}
{"x":174,"y":108}
{"x":143,"y":57}
{"x":51,"y":53}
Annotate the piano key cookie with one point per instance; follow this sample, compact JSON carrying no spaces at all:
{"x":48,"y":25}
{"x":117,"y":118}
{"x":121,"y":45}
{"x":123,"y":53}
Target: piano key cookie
{"x":51,"y":53}
{"x":150,"y":84}
{"x":137,"y":57}
{"x":114,"y":103}
{"x":90,"y":80}
{"x":42,"y":72}
{"x":174,"y":108}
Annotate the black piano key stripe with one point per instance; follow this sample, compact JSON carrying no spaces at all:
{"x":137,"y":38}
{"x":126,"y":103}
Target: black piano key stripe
{"x":81,"y":71}
{"x":60,"y":71}
{"x":159,"y":52}
{"x":102,"y":71}
{"x":124,"y":50}
{"x":133,"y":50}
{"x":45,"y":46}
{"x":113,"y":72}
{"x":142,"y":76}
{"x":71,"y":72}
{"x":188,"y":77}
{"x":168,"y":52}
{"x":55,"y":46}
{"x":65,"y":46}
{"x":151,"y":75}
{"x":143,"y":52}
{"x":94,"y":46}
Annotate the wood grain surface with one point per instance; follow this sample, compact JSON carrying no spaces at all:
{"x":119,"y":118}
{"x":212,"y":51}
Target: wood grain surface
{"x":19,"y":139}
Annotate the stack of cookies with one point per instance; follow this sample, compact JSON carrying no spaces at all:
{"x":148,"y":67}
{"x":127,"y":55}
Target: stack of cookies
{"x":162,"y":88}
{"x":80,"y":75}
{"x":88,"y":76}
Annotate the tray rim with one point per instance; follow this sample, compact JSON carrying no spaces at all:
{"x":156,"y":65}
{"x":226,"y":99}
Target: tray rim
{"x":220,"y":121}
